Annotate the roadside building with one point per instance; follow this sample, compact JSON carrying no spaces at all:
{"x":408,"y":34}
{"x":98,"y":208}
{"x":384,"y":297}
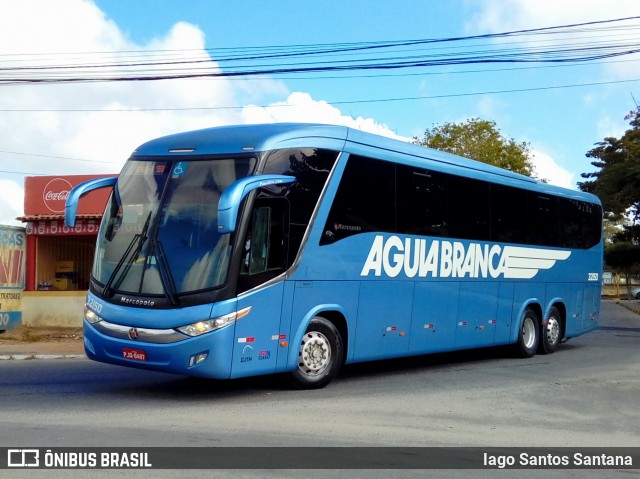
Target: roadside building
{"x":58,"y":258}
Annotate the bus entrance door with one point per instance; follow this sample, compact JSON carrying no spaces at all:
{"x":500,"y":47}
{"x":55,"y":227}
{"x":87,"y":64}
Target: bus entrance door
{"x":255,"y":348}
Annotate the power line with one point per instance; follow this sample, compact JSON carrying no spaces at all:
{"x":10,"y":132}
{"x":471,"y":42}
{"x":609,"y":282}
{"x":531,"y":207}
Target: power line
{"x":53,"y":157}
{"x":490,"y":92}
{"x":305,"y":58}
{"x":272,"y":51}
{"x":337,"y":102}
{"x":455,"y":95}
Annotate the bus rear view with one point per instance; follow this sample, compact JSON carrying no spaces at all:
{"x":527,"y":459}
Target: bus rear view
{"x":227,"y":252}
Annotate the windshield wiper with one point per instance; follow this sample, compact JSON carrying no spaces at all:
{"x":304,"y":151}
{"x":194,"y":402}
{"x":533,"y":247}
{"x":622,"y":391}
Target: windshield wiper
{"x":165,"y":272}
{"x":137,"y":242}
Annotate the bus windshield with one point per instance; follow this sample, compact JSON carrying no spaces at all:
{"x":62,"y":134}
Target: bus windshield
{"x":159,"y":234}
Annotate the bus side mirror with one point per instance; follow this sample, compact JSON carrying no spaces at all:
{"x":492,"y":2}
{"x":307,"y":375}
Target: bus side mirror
{"x":79,"y":191}
{"x":236,"y":192}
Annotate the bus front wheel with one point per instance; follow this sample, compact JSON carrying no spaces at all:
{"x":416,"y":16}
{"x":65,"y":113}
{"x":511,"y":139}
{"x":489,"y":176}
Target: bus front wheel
{"x":529,"y":334}
{"x":551,"y":332}
{"x":320,"y":355}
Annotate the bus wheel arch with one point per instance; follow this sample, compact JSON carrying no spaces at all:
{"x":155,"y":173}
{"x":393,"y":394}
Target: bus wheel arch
{"x":552,"y":329}
{"x":528,"y":331}
{"x":320,"y":355}
{"x":340,"y":322}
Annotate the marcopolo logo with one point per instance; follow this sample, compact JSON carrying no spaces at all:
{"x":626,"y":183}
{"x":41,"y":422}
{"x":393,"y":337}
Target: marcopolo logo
{"x":452,"y":259}
{"x":55,"y":194}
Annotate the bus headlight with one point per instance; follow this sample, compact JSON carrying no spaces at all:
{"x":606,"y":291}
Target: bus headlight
{"x":205,"y":326}
{"x":91,"y":316}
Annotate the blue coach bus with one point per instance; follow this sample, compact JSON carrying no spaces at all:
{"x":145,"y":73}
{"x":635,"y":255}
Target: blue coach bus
{"x":294,"y":248}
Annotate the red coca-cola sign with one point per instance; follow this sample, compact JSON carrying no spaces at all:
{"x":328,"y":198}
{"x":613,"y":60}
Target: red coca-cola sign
{"x":47,"y":195}
{"x":55,"y":194}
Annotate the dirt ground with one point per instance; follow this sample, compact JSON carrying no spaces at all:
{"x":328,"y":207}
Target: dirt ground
{"x":49,"y":341}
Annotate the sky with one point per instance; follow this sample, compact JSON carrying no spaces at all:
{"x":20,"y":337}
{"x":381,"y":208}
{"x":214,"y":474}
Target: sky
{"x":53,"y":128}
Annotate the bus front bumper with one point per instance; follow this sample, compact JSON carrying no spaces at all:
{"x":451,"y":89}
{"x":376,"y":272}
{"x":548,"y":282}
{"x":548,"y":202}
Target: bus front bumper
{"x":208,"y":355}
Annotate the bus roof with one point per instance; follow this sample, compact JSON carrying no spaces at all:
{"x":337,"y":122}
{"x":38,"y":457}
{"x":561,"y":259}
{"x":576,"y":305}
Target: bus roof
{"x":240,"y":139}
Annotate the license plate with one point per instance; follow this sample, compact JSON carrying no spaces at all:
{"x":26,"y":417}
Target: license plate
{"x":135,"y":354}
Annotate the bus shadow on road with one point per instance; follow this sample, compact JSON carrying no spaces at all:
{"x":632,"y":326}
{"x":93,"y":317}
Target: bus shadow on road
{"x":426,"y":362}
{"x":433,"y":362}
{"x":186,"y":389}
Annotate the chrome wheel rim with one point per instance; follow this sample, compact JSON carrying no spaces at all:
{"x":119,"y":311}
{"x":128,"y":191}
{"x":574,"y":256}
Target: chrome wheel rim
{"x":315,"y":354}
{"x":553,"y":330}
{"x":528,"y":333}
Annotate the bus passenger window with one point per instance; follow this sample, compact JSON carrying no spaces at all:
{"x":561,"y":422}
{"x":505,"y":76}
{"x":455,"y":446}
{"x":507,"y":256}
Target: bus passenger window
{"x":469,"y":209}
{"x":543,"y":225}
{"x":364,"y":202}
{"x":422,"y":202}
{"x":508,"y":214}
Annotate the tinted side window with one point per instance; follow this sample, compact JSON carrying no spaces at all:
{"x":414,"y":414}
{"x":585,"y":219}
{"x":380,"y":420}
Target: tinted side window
{"x":580,"y":223}
{"x":422,"y":204}
{"x":311,"y":167}
{"x":470,"y":208}
{"x":508,"y":214}
{"x":543,"y":219}
{"x":378,"y":196}
{"x":364,"y":202}
{"x":593,"y":225}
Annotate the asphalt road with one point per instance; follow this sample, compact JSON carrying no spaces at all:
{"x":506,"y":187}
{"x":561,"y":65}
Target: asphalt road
{"x":586,"y":394}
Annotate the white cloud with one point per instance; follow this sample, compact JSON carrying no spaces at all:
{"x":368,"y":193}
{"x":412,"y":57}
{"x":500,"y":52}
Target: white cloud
{"x":11,"y":202}
{"x":103,"y":140}
{"x":493,"y":16}
{"x":548,"y":169}
{"x":31,"y":30}
{"x":506,"y":15}
{"x":301,"y":107}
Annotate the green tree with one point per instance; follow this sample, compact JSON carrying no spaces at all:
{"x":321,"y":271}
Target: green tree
{"x":617,"y":179}
{"x":623,"y":257}
{"x":480,"y":140}
{"x":616,"y":182}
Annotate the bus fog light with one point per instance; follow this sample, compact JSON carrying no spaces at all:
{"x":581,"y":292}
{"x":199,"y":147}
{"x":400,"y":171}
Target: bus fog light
{"x":197,"y":358}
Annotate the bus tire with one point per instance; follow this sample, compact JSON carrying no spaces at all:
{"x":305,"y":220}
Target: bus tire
{"x":551,"y":332}
{"x":529,"y":335}
{"x":320,"y":356}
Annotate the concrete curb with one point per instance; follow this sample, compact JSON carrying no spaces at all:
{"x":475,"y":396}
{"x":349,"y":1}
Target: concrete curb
{"x":26,"y":357}
{"x":633,"y":309}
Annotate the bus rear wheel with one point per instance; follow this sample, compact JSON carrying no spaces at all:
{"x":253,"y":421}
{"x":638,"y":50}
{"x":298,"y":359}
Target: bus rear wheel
{"x":320,"y":355}
{"x":529,"y":334}
{"x":551,"y":332}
